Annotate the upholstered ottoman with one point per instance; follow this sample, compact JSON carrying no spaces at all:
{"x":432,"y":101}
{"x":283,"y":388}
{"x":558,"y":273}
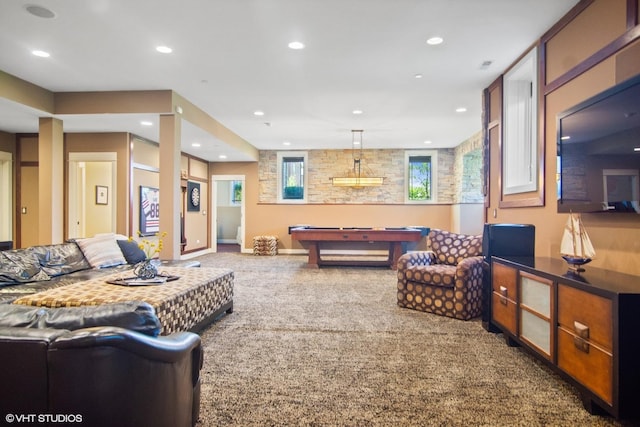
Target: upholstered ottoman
{"x":189,"y":303}
{"x":265,"y":245}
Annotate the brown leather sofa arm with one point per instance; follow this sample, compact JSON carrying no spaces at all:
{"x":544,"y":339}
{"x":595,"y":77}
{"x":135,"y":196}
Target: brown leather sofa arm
{"x":113,"y":376}
{"x":8,"y":333}
{"x":138,"y":316}
{"x":168,"y":349}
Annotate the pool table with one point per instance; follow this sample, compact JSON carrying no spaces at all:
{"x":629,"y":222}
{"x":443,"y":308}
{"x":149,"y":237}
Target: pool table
{"x":393,"y":236}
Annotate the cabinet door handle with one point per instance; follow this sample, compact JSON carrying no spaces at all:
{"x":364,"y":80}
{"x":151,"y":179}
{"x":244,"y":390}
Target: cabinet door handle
{"x":503,"y":295}
{"x":581,"y":329}
{"x":581,"y":345}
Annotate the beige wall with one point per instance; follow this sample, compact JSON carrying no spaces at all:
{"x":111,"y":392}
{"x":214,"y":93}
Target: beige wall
{"x":111,"y":143}
{"x":274,"y":219}
{"x":616,"y":236}
{"x":28,"y":220}
{"x":99,"y":217}
{"x":7,"y":142}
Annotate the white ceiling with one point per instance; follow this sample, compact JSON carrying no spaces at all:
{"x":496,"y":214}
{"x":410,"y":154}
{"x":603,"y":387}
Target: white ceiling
{"x":230,"y":58}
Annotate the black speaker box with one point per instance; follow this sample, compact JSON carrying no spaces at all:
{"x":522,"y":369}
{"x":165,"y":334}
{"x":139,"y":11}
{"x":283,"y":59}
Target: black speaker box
{"x":515,"y":242}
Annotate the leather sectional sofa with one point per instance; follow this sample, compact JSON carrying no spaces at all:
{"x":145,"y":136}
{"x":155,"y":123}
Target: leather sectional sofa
{"x":38,"y":268}
{"x":106,"y":364}
{"x":97,"y":366}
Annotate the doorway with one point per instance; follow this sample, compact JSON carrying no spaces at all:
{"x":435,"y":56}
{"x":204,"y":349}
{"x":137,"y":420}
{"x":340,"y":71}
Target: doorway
{"x":228,"y":204}
{"x":6,"y":196}
{"x":92,"y":194}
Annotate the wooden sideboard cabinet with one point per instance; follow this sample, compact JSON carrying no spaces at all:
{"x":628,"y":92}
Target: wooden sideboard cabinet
{"x":586,"y":327}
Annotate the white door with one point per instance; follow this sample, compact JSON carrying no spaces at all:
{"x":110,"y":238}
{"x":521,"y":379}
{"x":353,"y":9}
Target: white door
{"x":227,"y":209}
{"x":88,"y":213}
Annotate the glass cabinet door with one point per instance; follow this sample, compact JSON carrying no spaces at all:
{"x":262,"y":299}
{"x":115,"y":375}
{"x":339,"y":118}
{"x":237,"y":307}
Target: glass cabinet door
{"x":536,"y":327}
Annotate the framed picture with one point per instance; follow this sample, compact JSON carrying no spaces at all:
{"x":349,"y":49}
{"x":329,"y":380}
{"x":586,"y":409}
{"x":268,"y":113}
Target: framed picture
{"x":102,"y":195}
{"x":149,"y":211}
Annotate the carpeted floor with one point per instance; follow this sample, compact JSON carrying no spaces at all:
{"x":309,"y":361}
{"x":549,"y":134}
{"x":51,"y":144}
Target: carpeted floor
{"x":330,"y":347}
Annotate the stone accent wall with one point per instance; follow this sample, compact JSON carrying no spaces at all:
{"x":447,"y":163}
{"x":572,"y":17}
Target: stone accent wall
{"x":468,"y":171}
{"x":267,"y":176}
{"x":325,"y":164}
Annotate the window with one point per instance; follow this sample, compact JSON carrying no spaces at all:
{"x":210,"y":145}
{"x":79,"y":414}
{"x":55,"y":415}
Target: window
{"x":421,"y":173}
{"x":292,"y":177}
{"x":519,"y":161}
{"x":236,"y":193}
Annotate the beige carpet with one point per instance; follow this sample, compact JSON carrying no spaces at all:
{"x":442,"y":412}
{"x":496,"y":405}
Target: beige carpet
{"x":330,"y":347}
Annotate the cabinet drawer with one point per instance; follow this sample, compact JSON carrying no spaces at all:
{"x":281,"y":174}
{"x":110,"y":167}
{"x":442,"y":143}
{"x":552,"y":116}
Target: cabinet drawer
{"x":587,"y":315}
{"x":503,"y":312}
{"x":588,"y":364}
{"x":504,"y":280}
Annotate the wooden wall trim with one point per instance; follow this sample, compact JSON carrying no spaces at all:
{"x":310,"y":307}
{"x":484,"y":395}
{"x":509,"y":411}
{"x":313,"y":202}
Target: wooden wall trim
{"x":629,"y":36}
{"x":632,"y":13}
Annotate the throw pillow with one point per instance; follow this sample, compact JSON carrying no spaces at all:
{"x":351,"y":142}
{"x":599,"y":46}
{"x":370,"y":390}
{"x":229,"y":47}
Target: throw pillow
{"x":101,"y":251}
{"x":131,"y":251}
{"x":20,"y":266}
{"x":59,"y":259}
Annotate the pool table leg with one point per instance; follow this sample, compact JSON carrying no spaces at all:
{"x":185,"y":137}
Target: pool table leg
{"x":314,"y":254}
{"x":395,"y":251}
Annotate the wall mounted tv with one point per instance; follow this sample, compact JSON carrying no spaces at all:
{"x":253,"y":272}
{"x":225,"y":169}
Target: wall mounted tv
{"x":599,"y":152}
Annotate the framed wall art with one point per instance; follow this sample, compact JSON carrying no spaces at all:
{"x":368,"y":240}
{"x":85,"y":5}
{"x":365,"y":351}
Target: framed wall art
{"x":102,"y":195}
{"x":149,"y":211}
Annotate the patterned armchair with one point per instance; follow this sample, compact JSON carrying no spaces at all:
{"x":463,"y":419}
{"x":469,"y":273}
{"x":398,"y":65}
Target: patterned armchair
{"x":447,"y":279}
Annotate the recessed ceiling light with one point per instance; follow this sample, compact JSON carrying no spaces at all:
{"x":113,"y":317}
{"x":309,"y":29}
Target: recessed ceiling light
{"x":195,"y":144}
{"x":41,"y":53}
{"x":286,"y":143}
{"x":461,"y":110}
{"x":564,"y":138}
{"x":356,"y":112}
{"x":146,"y":123}
{"x":418,"y":76}
{"x":164,"y":49}
{"x":296,"y":45}
{"x":39,"y":11}
{"x":258,"y":113}
{"x":222,"y":156}
{"x":636,"y":149}
{"x":427,"y":142}
{"x":435,"y":40}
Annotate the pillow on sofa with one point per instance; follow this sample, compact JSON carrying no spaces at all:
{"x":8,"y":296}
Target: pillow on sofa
{"x":101,"y":251}
{"x":137,"y":316}
{"x":20,"y":266}
{"x":59,"y":259}
{"x":131,"y":251}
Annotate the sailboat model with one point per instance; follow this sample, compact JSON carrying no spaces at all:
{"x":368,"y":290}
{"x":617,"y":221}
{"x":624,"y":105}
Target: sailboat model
{"x":576,"y":248}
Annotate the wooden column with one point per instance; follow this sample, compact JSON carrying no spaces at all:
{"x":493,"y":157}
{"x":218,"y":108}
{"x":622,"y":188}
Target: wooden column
{"x":50,"y":181}
{"x":170,"y":192}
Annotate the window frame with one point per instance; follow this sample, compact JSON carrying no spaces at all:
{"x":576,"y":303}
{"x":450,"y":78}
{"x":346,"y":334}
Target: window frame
{"x":520,"y":126}
{"x":281,"y":156}
{"x":434,"y":175}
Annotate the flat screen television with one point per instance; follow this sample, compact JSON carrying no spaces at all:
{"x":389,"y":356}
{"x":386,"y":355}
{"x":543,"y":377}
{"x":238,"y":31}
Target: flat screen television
{"x":599,"y":152}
